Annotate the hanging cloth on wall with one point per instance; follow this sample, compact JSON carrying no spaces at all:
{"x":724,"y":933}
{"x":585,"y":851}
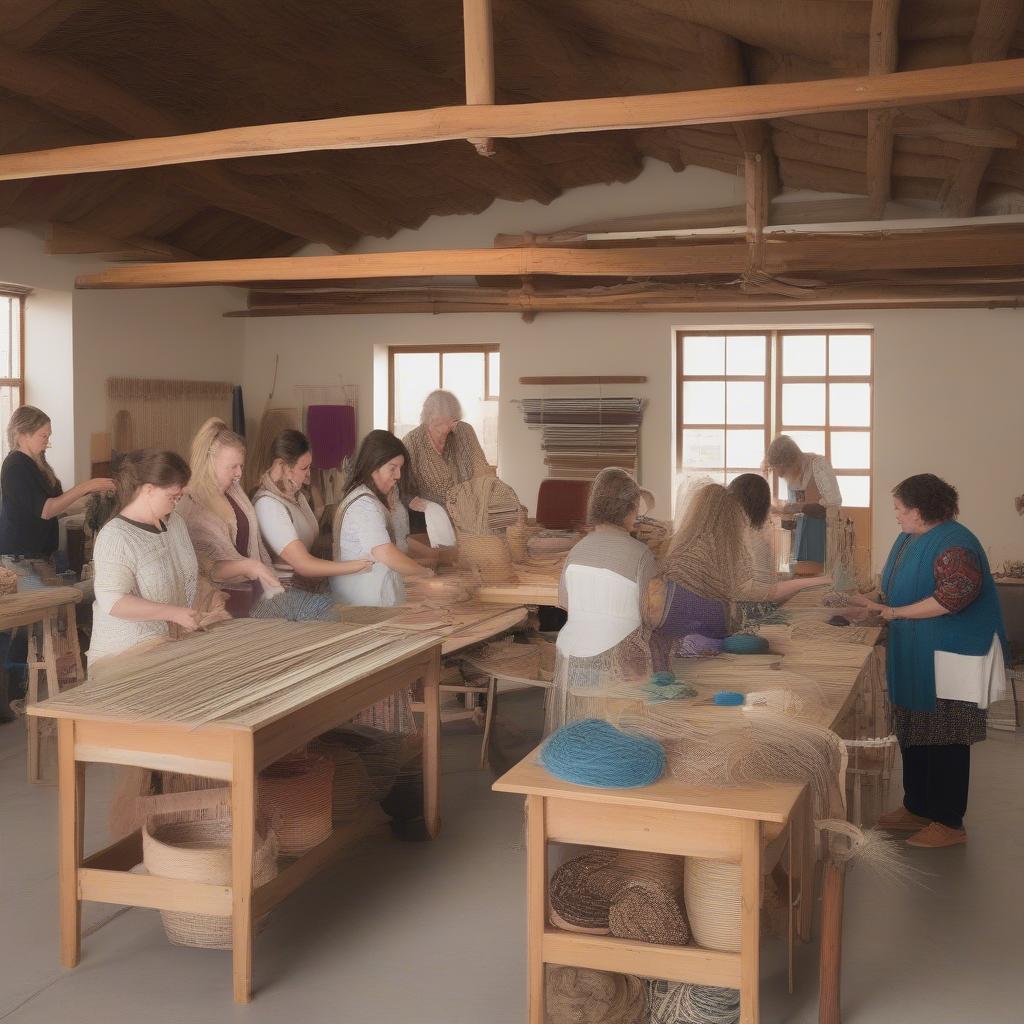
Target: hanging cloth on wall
{"x":332,"y":433}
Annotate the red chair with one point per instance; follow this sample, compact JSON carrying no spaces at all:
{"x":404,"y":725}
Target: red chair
{"x":562,"y":504}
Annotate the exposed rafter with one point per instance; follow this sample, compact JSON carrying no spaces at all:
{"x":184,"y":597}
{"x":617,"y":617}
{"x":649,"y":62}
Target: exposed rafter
{"x":883,"y":44}
{"x":478,"y":37}
{"x":415,"y":127}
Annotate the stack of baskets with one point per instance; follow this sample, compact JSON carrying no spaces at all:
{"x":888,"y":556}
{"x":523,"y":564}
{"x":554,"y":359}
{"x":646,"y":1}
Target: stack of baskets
{"x":295,"y":795}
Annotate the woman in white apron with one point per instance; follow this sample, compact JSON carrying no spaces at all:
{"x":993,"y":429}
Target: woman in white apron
{"x":371,"y":522}
{"x":605,"y":588}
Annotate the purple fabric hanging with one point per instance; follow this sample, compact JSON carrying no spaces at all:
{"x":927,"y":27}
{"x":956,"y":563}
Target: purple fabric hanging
{"x":332,"y":433}
{"x":686,"y":613}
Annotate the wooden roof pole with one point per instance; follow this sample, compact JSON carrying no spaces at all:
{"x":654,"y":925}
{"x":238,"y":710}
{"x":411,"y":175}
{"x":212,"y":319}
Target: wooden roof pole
{"x":993,"y":33}
{"x":478,"y":43}
{"x":525,"y":120}
{"x":883,"y":43}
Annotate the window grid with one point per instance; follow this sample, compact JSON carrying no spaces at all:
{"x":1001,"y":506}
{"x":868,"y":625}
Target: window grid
{"x":12,"y":315}
{"x":774,"y":379}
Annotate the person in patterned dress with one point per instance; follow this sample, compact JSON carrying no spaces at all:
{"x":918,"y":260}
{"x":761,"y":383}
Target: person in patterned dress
{"x":945,"y":657}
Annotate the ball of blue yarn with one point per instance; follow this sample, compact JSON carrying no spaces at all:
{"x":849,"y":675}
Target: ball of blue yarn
{"x":729,"y":698}
{"x":592,"y":752}
{"x":745,"y":643}
{"x":663,"y":679}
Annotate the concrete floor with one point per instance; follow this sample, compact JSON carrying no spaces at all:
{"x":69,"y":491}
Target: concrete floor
{"x":419,"y":933}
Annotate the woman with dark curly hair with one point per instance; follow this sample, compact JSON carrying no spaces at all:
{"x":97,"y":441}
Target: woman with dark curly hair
{"x":945,"y":657}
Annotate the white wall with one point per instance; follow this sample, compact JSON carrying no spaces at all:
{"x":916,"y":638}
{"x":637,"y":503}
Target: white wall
{"x":75,"y":340}
{"x":947,"y":383}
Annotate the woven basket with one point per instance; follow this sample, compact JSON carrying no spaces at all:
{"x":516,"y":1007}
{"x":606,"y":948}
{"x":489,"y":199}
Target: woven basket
{"x":8,"y":581}
{"x":485,"y":559}
{"x":712,"y":890}
{"x":353,"y":789}
{"x":200,"y":851}
{"x":295,"y":795}
{"x":518,"y":536}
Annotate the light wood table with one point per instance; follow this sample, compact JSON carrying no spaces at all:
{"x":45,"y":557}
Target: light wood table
{"x":234,"y":752}
{"x":43,"y":658}
{"x":666,"y":817}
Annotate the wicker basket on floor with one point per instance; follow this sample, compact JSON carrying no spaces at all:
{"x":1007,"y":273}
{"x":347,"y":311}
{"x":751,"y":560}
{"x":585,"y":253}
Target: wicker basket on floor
{"x":200,"y":851}
{"x":8,"y":581}
{"x":295,"y":796}
{"x":485,"y":559}
{"x":353,"y":790}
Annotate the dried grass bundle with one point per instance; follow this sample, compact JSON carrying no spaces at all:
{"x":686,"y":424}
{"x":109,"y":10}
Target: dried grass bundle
{"x":576,"y":995}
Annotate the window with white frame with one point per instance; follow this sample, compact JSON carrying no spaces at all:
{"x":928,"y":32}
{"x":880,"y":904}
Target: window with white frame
{"x":12,"y":358}
{"x":470,"y":372}
{"x":738,"y":390}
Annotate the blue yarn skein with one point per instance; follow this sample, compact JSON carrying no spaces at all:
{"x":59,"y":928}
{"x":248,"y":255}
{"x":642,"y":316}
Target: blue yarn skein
{"x":745,"y":643}
{"x":663,"y":679}
{"x":729,"y":698}
{"x":592,"y":752}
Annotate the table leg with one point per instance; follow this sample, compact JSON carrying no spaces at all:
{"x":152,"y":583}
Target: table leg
{"x":833,"y":881}
{"x":805,"y":867}
{"x":243,"y":843}
{"x":750,"y":925}
{"x":432,"y":745}
{"x":32,"y":724}
{"x":536,"y":901}
{"x":71,"y":782}
{"x":492,"y":688}
{"x":790,"y":928}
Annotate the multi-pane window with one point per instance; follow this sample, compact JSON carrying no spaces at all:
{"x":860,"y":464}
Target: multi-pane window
{"x":470,"y":372}
{"x":12,"y":361}
{"x":824,"y":403}
{"x":724,"y":404}
{"x":738,"y":390}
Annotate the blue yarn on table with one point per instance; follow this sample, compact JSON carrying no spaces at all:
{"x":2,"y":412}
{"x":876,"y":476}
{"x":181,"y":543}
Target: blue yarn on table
{"x":729,"y":698}
{"x":745,"y":643}
{"x":663,"y":679}
{"x":591,"y":752}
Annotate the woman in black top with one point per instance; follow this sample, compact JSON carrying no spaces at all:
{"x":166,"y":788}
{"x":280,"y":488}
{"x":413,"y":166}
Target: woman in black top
{"x":31,"y":497}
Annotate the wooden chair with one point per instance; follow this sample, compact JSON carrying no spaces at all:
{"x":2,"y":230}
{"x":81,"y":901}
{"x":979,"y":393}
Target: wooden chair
{"x":562,"y":504}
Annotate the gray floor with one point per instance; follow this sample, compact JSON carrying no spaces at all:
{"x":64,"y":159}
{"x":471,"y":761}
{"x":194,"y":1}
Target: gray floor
{"x":433,"y":932}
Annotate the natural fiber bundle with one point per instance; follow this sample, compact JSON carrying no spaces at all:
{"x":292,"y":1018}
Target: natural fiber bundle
{"x":574,"y":904}
{"x":296,"y":605}
{"x":437,"y":590}
{"x":851,"y":845}
{"x":506,"y":656}
{"x":576,"y":995}
{"x":646,"y":912}
{"x":551,"y":542}
{"x":672,"y":1003}
{"x":8,"y":581}
{"x":783,"y":702}
{"x":485,"y":560}
{"x":652,"y":532}
{"x":518,"y":535}
{"x":295,"y":794}
{"x":200,"y":851}
{"x":591,"y":752}
{"x":712,"y":891}
{"x":482,"y":505}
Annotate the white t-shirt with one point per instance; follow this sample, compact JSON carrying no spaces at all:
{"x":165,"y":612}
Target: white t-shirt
{"x":364,"y":526}
{"x":278,"y":527}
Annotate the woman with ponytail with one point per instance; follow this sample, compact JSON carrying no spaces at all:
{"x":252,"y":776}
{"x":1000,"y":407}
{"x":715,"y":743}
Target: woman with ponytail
{"x":146,"y":574}
{"x":31,"y":497}
{"x":222,"y":522}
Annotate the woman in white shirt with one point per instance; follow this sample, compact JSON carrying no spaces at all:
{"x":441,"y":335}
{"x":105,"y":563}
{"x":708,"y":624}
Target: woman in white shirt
{"x":146,"y":574}
{"x":372,"y":523}
{"x":813,"y":497}
{"x":286,"y":521}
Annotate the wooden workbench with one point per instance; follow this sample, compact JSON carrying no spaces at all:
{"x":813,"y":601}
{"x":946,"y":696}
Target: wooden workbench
{"x":233,"y":748}
{"x":719,"y":823}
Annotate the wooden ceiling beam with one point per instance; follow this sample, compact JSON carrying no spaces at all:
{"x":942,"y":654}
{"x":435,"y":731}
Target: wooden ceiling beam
{"x":883,"y":45}
{"x":78,"y":92}
{"x":23,"y":23}
{"x":68,"y":240}
{"x":933,"y":248}
{"x":413,"y":127}
{"x":993,"y":33}
{"x":478,"y":46}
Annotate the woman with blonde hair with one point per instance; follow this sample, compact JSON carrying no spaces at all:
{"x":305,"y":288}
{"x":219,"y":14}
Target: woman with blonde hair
{"x":708,"y":553}
{"x":222,"y":522}
{"x":813,"y":495}
{"x":31,"y":497}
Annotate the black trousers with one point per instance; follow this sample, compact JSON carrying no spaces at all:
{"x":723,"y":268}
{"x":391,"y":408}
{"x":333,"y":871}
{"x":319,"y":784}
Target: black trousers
{"x":935,"y":782}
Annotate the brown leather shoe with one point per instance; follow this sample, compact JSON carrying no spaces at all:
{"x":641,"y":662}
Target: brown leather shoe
{"x":902,"y":820}
{"x":936,"y":835}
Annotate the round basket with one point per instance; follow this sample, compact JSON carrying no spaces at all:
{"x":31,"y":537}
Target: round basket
{"x":486,"y":559}
{"x":200,"y":851}
{"x":8,"y":581}
{"x":712,"y":890}
{"x":577,"y":995}
{"x":352,"y":790}
{"x":295,"y":795}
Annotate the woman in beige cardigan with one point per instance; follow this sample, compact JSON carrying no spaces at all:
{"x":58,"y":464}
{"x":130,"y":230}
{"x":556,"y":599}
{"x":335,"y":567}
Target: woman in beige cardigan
{"x":221,"y":520}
